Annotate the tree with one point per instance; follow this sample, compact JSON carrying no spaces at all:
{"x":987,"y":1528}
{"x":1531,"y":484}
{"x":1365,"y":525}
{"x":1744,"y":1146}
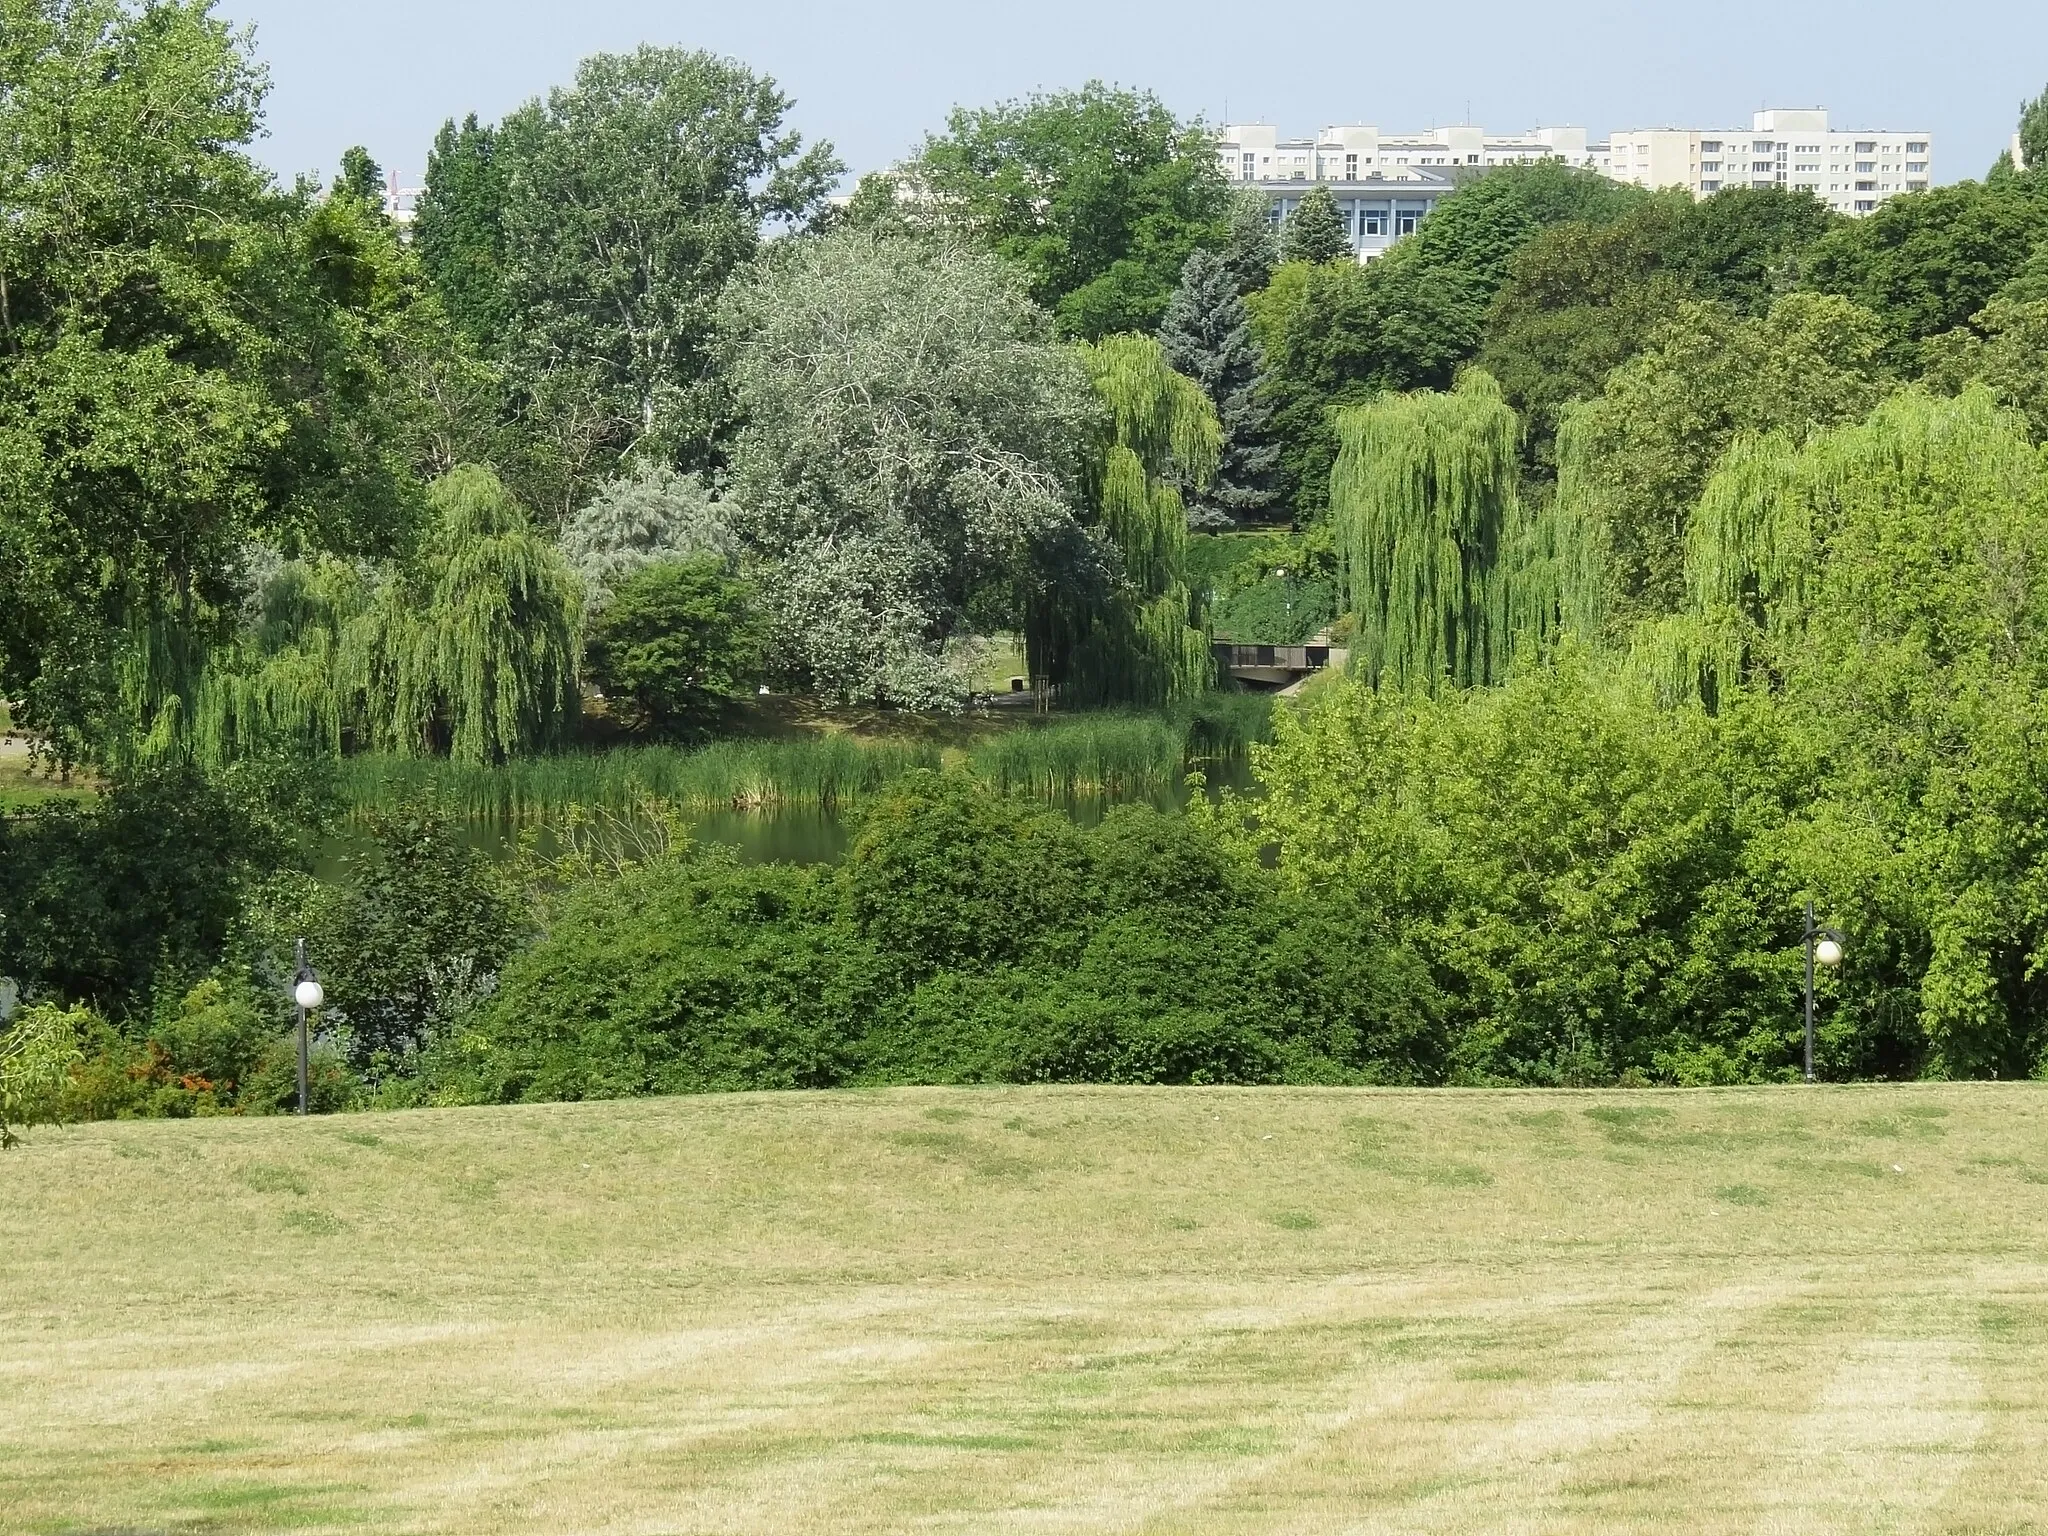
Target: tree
{"x":1315,"y":231}
{"x":1252,"y":249}
{"x":2033,"y":133}
{"x":471,"y":648}
{"x":647,"y":514}
{"x":1336,"y":334}
{"x":1097,"y":194}
{"x":1140,"y":638}
{"x":1435,"y":550}
{"x":193,"y":359}
{"x":2005,"y":349}
{"x":910,"y":458}
{"x":459,"y":231}
{"x":37,"y":1051}
{"x":1634,"y":460}
{"x":1926,"y":263}
{"x":1207,"y":337}
{"x":676,"y":643}
{"x":1583,"y":297}
{"x":616,"y":209}
{"x":1886,"y":578}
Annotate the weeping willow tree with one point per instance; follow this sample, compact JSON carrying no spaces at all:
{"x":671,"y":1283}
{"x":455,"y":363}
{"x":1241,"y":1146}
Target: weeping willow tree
{"x":471,"y":648}
{"x":1775,"y":508}
{"x":1444,"y":571}
{"x":281,"y":684}
{"x":1142,"y":640}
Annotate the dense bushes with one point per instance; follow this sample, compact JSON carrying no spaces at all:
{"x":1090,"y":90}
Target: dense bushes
{"x":967,"y":937}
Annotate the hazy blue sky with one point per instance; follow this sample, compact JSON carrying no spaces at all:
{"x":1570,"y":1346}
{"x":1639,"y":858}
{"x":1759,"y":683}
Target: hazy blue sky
{"x":875,"y":77}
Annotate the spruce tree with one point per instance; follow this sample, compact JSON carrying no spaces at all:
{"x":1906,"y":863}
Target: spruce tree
{"x":1315,"y":231}
{"x":1207,"y":336}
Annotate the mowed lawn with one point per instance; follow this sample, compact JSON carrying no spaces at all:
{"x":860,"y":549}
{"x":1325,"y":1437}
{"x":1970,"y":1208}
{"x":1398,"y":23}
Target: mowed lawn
{"x":1040,"y":1310}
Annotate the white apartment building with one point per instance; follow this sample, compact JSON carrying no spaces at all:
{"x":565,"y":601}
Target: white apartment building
{"x":1852,"y":172}
{"x":1356,"y":151}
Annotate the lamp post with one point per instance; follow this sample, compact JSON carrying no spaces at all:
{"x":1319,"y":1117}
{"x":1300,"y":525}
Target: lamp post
{"x":1823,"y":947}
{"x":308,"y":994}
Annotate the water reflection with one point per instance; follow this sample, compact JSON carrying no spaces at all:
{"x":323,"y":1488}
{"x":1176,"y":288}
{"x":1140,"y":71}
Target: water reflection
{"x":784,"y":834}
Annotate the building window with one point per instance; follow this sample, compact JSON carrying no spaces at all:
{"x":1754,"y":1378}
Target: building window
{"x":1406,"y":225}
{"x":1866,"y":147}
{"x":1866,"y":186}
{"x":1375,"y":225}
{"x":1865,"y":167}
{"x":1761,"y":146}
{"x":1247,"y":167}
{"x":1711,"y":165}
{"x":1710,"y":146}
{"x":1710,"y":186}
{"x":1759,"y":165}
{"x":1918,"y":147}
{"x":1866,"y":206}
{"x":1471,"y":159}
{"x":1914,"y":167}
{"x":1351,"y":167}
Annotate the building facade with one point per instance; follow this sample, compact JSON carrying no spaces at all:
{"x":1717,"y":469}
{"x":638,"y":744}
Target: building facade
{"x":1852,"y":172}
{"x":1386,"y":184}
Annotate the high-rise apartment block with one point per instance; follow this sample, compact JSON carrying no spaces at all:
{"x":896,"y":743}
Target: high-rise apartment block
{"x":1851,"y":172}
{"x":1385,"y":184}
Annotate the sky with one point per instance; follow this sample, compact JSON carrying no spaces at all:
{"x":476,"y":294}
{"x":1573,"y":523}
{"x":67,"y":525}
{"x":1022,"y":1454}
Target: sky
{"x":874,"y":78}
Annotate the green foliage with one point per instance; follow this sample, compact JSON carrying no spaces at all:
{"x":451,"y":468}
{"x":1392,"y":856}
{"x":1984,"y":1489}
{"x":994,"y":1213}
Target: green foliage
{"x":675,"y":645}
{"x":585,"y":240}
{"x":1337,"y":334}
{"x":459,"y":230}
{"x":1251,"y":249}
{"x":149,"y":879}
{"x":38,"y":1048}
{"x":193,"y":358}
{"x":408,"y":940}
{"x":651,"y":513}
{"x":1138,"y":643}
{"x":1633,"y":461}
{"x":2005,"y":349}
{"x":471,"y":648}
{"x":966,"y":938}
{"x":1582,"y":298}
{"x":1098,"y":195}
{"x":2033,"y":132}
{"x":1315,"y":231}
{"x":1926,"y":263}
{"x":1434,"y":546}
{"x":1207,"y":337}
{"x":1572,"y":861}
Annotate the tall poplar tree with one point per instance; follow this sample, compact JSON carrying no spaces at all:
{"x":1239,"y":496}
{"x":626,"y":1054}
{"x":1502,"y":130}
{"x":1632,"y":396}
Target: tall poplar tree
{"x":1315,"y":231}
{"x":1208,"y":337}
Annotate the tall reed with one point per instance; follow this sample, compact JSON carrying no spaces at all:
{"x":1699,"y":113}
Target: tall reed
{"x":1112,"y":752}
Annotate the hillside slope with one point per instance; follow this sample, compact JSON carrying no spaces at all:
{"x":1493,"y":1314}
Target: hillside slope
{"x":1167,"y":1310}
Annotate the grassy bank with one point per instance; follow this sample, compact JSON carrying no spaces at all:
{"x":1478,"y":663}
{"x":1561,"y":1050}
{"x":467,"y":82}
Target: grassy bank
{"x":1109,"y":753}
{"x":1177,"y":1310}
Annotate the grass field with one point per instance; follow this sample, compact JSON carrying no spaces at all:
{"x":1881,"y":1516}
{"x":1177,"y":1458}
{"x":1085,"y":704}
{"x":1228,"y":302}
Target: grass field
{"x":1040,"y":1310}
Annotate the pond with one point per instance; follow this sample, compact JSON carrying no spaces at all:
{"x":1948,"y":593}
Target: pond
{"x":788,"y":834}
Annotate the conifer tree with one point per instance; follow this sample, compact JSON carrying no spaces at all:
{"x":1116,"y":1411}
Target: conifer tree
{"x":1253,"y":249}
{"x":1207,"y":337}
{"x":1315,"y":231}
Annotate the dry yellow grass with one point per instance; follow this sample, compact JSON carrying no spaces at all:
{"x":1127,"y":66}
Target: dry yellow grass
{"x":1060,"y":1310}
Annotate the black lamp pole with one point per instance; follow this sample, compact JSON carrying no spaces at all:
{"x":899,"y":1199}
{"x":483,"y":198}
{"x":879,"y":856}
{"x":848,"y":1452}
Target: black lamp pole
{"x":1816,"y":934}
{"x":306,"y":994}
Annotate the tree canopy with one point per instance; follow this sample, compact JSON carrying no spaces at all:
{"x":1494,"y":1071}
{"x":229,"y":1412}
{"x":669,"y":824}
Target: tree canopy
{"x":1097,"y":194}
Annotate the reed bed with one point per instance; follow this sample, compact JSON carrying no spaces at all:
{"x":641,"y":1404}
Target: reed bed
{"x":1110,"y":753}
